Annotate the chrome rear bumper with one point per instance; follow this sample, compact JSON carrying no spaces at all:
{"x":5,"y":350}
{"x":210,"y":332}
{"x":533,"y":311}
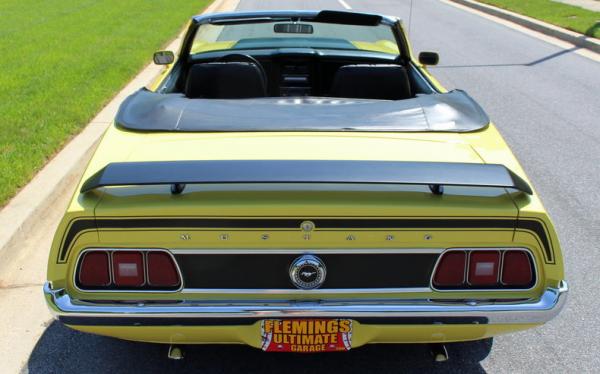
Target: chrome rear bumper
{"x":420,"y":311}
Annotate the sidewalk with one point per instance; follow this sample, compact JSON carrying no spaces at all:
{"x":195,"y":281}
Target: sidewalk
{"x":593,"y":5}
{"x":577,"y":40}
{"x":53,"y":181}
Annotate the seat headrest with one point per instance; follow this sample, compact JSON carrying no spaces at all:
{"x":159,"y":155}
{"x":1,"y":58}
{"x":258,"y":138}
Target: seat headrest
{"x":383,"y":82}
{"x":225,"y":80}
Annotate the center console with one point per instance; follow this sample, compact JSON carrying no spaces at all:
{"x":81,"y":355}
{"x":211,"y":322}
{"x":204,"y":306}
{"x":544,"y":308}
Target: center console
{"x":295,"y":79}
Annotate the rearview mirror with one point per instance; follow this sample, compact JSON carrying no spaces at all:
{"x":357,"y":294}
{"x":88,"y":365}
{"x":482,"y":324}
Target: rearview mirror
{"x":164,"y":57}
{"x":429,"y":58}
{"x":293,"y":28}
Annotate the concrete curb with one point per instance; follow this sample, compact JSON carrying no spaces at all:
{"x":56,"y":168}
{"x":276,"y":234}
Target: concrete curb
{"x":569,"y":36}
{"x":60,"y":175}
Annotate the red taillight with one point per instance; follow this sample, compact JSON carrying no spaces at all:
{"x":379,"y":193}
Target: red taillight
{"x":161,"y":270}
{"x":483,"y":268}
{"x":516,"y":269}
{"x":128,"y":269}
{"x":94,"y":270}
{"x":451,"y":270}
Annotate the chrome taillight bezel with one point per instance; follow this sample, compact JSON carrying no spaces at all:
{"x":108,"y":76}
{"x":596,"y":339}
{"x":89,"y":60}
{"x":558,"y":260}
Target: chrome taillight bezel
{"x":146,"y":287}
{"x":499,"y":287}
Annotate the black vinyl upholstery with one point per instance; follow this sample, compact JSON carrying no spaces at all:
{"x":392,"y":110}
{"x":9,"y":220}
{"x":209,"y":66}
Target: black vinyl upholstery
{"x":225,"y":80}
{"x":383,"y":82}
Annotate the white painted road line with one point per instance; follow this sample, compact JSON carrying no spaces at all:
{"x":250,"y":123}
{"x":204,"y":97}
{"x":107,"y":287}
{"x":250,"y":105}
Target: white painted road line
{"x":344,"y":4}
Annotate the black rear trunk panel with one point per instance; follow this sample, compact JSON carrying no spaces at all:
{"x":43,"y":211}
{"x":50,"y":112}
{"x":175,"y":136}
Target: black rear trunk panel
{"x":271,"y":271}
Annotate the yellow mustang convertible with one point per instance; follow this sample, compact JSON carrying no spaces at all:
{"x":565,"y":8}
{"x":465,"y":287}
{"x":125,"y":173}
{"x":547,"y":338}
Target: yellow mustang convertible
{"x":296,"y":181}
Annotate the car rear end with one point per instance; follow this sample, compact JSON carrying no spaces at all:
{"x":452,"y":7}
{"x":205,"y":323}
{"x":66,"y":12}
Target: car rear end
{"x":305,"y":239}
{"x":337,"y":266}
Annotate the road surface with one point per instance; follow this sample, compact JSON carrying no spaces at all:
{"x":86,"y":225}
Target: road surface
{"x":546,"y":102}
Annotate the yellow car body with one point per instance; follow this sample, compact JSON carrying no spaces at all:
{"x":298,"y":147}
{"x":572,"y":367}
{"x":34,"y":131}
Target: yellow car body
{"x":132,"y":217}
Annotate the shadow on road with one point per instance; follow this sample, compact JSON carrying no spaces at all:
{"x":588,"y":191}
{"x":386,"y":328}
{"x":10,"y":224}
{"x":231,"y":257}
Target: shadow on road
{"x":62,"y":350}
{"x":532,"y":63}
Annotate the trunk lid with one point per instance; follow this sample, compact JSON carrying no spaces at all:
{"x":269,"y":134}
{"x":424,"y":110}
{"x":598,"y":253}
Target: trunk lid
{"x":303,"y":200}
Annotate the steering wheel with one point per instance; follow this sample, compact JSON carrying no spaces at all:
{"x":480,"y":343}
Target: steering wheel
{"x":240,"y":57}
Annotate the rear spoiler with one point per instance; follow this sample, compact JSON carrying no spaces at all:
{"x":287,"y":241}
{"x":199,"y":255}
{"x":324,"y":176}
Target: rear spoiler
{"x":179,"y":173}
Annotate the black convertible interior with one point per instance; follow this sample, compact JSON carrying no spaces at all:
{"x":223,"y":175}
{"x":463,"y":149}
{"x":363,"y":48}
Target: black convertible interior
{"x":298,"y":90}
{"x":291,"y":74}
{"x":315,"y":80}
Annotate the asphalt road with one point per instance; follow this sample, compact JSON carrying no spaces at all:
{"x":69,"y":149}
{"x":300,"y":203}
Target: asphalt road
{"x":546,"y":102}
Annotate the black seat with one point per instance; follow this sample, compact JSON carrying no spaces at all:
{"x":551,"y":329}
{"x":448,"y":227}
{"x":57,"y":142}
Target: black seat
{"x":383,"y":82}
{"x":225,"y":80}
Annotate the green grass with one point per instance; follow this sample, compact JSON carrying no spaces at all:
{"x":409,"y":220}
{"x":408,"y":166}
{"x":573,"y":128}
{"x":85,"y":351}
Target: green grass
{"x":62,"y":61}
{"x":570,"y":17}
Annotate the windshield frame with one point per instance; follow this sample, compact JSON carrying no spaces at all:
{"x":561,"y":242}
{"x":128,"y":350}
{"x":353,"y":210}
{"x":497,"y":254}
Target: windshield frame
{"x":347,"y":18}
{"x":304,"y":14}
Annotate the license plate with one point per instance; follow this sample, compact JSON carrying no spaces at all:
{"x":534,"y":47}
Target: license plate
{"x":306,"y":335}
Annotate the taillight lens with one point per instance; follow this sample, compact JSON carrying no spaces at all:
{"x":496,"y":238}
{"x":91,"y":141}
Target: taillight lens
{"x":94,"y":270}
{"x":161,"y":270}
{"x":484,"y":267}
{"x":451,"y":270}
{"x":516,"y":269}
{"x":128,"y":269}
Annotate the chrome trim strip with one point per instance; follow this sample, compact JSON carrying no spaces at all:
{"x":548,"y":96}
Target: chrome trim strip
{"x":293,"y":291}
{"x":278,"y":251}
{"x":531,"y":311}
